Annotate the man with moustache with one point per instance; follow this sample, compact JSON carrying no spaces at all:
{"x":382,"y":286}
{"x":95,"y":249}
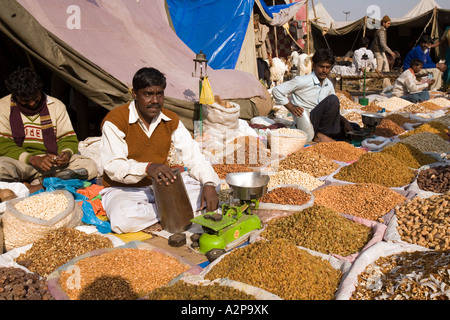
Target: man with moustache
{"x":315,"y":92}
{"x":135,"y":144}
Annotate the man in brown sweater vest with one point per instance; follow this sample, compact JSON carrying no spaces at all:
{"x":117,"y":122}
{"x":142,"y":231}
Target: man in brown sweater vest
{"x":136,"y":140}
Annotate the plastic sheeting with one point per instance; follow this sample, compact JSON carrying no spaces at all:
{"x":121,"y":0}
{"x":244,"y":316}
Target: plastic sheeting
{"x":218,"y":28}
{"x":215,"y":27}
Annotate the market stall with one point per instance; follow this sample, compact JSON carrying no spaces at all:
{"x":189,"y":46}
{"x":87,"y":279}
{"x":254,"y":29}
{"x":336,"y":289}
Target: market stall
{"x":362,"y":219}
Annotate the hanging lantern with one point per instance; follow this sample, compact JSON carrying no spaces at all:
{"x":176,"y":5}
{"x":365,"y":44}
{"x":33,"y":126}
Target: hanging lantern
{"x":201,"y":63}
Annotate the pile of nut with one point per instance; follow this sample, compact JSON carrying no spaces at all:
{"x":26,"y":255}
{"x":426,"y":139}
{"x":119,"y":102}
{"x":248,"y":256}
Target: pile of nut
{"x":17,"y":284}
{"x":337,"y":150}
{"x":434,"y":179}
{"x":420,"y":275}
{"x":286,"y":196}
{"x":58,"y":247}
{"x":281,"y":268}
{"x":425,"y":221}
{"x":365,"y":200}
{"x":136,"y":270}
{"x":294,"y":176}
{"x":320,"y":229}
{"x":310,"y":162}
{"x":186,"y":291}
{"x":223,"y":169}
{"x":433,"y":126}
{"x":45,"y":206}
{"x":388,"y":128}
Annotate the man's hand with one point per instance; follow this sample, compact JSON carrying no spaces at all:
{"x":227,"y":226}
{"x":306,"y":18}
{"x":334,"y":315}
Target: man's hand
{"x":43,"y":163}
{"x":161,"y":173}
{"x":296,"y":111}
{"x":441,"y":66}
{"x":63,"y":159}
{"x":210,"y":198}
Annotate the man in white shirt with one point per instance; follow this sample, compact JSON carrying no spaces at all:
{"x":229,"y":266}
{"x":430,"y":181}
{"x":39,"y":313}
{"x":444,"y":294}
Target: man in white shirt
{"x":135,"y":145}
{"x":315,"y":93}
{"x":409,"y":88}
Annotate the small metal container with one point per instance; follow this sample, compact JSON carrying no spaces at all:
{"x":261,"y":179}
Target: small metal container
{"x":371,"y":119}
{"x":247,"y":186}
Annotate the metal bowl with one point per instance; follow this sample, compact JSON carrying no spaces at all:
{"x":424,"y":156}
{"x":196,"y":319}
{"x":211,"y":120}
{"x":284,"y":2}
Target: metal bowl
{"x":371,"y":119}
{"x":247,"y":185}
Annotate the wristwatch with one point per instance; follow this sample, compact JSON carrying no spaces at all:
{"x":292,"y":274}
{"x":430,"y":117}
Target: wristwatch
{"x":210,"y":183}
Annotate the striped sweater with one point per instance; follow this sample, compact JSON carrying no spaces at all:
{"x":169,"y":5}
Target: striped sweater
{"x":66,"y":137}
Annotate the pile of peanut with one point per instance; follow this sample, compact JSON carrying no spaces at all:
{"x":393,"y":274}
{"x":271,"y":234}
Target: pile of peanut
{"x":364,"y":200}
{"x":140,"y":271}
{"x":337,"y":150}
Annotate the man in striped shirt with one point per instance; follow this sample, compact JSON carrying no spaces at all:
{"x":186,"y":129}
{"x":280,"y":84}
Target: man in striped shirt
{"x":36,"y":136}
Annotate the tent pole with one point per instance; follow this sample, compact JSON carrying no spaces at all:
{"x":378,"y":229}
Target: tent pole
{"x":307,"y":27}
{"x":365,"y":26}
{"x":275,"y":35}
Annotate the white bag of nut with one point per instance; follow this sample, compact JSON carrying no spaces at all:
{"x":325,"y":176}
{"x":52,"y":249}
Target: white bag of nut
{"x":25,"y":220}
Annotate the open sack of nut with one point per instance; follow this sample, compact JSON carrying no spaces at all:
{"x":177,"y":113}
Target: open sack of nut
{"x":27,"y":219}
{"x":221,"y":119}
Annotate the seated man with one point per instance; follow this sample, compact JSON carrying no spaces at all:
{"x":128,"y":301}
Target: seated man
{"x":363,"y":59}
{"x":422,"y":52}
{"x":315,"y":93}
{"x":36,"y":136}
{"x":409,"y":88}
{"x":135,"y":145}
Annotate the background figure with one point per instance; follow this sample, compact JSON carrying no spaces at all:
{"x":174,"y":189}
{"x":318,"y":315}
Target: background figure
{"x":422,"y":52}
{"x":445,"y":40}
{"x":262,"y":46}
{"x":314,"y":94}
{"x":380,"y":48}
{"x":37,"y":139}
{"x":362,"y":58}
{"x":409,"y":88}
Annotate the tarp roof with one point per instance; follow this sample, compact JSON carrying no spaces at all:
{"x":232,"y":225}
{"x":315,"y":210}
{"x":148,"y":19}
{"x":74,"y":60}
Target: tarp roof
{"x":219,"y":28}
{"x":402,"y":35}
{"x":115,"y":39}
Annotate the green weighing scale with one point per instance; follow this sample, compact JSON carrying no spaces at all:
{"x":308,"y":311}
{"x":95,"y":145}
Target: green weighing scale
{"x":223,"y":232}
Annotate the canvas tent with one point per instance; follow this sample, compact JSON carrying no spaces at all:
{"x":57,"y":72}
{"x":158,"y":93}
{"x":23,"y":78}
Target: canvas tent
{"x":403,"y":33}
{"x":113,"y":40}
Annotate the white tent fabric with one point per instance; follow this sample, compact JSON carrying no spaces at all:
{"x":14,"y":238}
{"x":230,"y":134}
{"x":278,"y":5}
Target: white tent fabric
{"x":324,"y":18}
{"x":121,"y":36}
{"x":422,"y":7}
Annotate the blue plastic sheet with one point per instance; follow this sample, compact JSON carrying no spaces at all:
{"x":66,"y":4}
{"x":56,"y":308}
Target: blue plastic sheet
{"x":215,"y":27}
{"x":72,"y":185}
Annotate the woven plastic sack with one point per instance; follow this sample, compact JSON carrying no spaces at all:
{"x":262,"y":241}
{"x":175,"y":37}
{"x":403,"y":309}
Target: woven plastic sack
{"x":20,"y":229}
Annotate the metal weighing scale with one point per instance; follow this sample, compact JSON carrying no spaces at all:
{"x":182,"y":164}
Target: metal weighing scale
{"x":370,"y":121}
{"x":223,"y":232}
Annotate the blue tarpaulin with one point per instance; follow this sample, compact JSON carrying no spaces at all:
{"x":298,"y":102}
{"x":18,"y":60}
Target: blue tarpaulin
{"x":216,"y":27}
